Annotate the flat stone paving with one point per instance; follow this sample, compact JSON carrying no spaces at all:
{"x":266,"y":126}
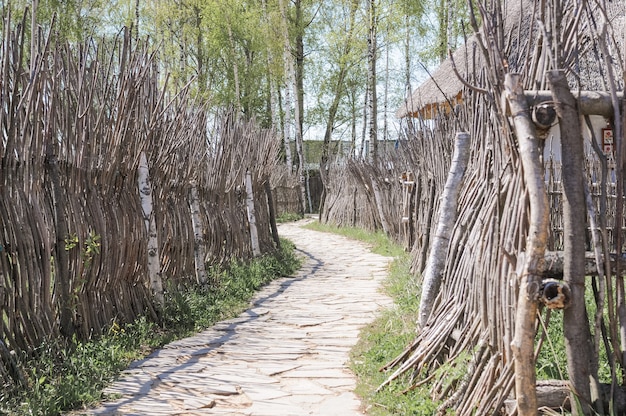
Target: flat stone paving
{"x":286,"y":355}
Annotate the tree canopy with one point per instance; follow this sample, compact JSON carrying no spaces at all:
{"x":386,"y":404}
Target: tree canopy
{"x":233,"y":52}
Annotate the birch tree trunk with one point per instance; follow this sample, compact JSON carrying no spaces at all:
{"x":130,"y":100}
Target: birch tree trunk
{"x":371,"y":81}
{"x":147,"y":207}
{"x":362,"y":151}
{"x":407,"y":56}
{"x":298,"y":92}
{"x":620,"y":135}
{"x":231,"y":41}
{"x":254,"y":235}
{"x":270,"y":78}
{"x":575,"y":319}
{"x":447,"y":217}
{"x":292,"y":82}
{"x":198,"y":242}
{"x":529,"y":280}
{"x":338,"y":94}
{"x":287,"y":104}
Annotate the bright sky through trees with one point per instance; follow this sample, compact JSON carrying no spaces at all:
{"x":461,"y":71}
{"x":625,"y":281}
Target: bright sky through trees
{"x":234,"y":51}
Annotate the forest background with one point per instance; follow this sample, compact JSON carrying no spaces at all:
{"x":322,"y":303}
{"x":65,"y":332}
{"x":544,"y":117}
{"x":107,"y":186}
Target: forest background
{"x":311,"y":69}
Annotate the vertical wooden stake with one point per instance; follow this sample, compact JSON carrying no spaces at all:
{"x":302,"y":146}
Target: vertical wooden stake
{"x":254,"y":235}
{"x":575,"y":319}
{"x":198,"y":244}
{"x":447,"y":217}
{"x":147,"y":207}
{"x":272,"y":211}
{"x":380,"y":203}
{"x":523,"y":344}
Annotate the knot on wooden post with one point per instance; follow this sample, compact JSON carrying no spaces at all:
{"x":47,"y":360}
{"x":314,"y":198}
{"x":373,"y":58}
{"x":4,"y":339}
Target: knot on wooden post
{"x":544,"y":115}
{"x":555,"y":294}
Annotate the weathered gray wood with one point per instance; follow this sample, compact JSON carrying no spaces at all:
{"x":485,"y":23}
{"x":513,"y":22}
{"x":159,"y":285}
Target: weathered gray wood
{"x":575,"y":319}
{"x":554,"y":394}
{"x":272,"y":211}
{"x":254,"y":233}
{"x":447,"y":217}
{"x":553,"y":264}
{"x":149,"y":217}
{"x":529,"y":280}
{"x":196,"y":223}
{"x":589,"y":102}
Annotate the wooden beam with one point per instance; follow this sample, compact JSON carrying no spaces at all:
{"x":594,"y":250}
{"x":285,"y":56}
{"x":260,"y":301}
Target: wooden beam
{"x":554,"y":394}
{"x":589,"y":102}
{"x":553,"y":264}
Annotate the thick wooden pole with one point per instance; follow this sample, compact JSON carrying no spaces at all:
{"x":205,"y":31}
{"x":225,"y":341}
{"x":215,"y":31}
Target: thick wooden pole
{"x":447,"y":217}
{"x":589,"y":102}
{"x":147,"y":207}
{"x":198,"y":234}
{"x":529,"y":279}
{"x":272,"y":211}
{"x":254,"y":234}
{"x":575,"y":320}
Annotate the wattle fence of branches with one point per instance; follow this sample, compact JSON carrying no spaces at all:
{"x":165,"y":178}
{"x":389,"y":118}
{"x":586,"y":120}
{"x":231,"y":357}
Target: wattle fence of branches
{"x":112,"y":190}
{"x":465,"y":349}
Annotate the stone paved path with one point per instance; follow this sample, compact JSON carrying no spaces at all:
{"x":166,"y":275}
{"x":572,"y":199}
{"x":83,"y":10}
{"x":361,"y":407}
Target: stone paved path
{"x":286,"y":355}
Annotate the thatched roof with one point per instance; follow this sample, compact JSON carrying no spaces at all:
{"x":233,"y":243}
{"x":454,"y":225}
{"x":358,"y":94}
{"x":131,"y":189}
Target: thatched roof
{"x":443,"y":89}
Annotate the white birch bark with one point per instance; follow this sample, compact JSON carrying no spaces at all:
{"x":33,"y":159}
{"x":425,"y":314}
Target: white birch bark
{"x":154,"y":264}
{"x":447,"y":217}
{"x":254,"y":235}
{"x":231,"y":40}
{"x":288,"y":76}
{"x":372,"y":52}
{"x":198,"y":246}
{"x":270,"y":77}
{"x":523,"y":344}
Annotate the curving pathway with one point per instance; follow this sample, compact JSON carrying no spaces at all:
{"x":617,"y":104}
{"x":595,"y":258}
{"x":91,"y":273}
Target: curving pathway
{"x":286,"y":355}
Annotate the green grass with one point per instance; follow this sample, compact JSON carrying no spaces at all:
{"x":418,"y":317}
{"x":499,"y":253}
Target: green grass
{"x":62,"y":378}
{"x":288,"y":217}
{"x":385,"y":338}
{"x":552,"y":359}
{"x":378,"y":240}
{"x":382,"y":341}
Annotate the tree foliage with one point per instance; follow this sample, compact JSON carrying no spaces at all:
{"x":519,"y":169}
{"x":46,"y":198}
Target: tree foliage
{"x":231,"y":53}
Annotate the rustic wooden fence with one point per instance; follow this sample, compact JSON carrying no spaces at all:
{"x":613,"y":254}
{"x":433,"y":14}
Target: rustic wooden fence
{"x":112,"y":189}
{"x":465,"y":347}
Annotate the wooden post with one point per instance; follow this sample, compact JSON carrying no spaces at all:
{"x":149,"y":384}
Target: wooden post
{"x":380,"y":204}
{"x":198,"y":235}
{"x":272,"y":211}
{"x":254,"y":235}
{"x":447,"y":217}
{"x":147,"y":207}
{"x":575,"y":319}
{"x":62,"y":285}
{"x":529,"y":279}
{"x":589,"y":102}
